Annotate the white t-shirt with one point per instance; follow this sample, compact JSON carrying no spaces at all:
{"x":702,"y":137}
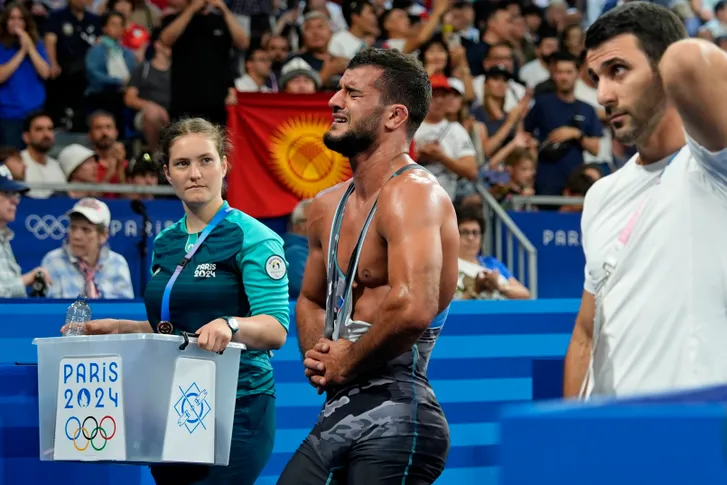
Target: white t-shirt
{"x":455,"y":142}
{"x":664,"y":307}
{"x":344,"y":44}
{"x":48,"y":173}
{"x":246,"y":84}
{"x":534,"y":73}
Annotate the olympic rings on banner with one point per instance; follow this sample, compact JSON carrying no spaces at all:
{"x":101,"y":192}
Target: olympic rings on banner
{"x":47,"y":226}
{"x":90,"y":433}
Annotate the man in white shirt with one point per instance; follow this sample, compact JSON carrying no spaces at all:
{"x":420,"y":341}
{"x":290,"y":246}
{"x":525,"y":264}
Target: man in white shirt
{"x":361,"y":18}
{"x":38,"y":135}
{"x":652,"y":317}
{"x":258,"y":66}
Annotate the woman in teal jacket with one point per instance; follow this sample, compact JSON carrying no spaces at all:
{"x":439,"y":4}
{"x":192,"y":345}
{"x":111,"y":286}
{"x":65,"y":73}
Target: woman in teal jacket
{"x":234,"y":287}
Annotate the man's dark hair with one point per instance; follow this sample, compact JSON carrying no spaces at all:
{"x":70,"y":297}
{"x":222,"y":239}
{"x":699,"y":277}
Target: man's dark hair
{"x":655,"y":27}
{"x":252,"y":50}
{"x":403,"y":81}
{"x":471,"y":213}
{"x":546,"y":33}
{"x":353,"y":7}
{"x":99,"y":113}
{"x":28,"y":121}
{"x":493,"y":9}
{"x":578,"y":184}
{"x":719,"y":6}
{"x":108,"y":16}
{"x":563,"y":56}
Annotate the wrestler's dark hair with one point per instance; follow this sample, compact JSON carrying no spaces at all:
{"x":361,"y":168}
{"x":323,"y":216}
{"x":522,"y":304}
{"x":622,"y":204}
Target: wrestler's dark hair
{"x":403,"y":81}
{"x":655,"y":27}
{"x":472,"y":213}
{"x":194,"y":126}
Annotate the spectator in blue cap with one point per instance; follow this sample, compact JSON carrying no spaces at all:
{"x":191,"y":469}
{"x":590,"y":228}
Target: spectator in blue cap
{"x":12,"y":283}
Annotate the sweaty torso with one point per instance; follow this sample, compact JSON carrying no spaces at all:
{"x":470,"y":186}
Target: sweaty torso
{"x":371,"y":280}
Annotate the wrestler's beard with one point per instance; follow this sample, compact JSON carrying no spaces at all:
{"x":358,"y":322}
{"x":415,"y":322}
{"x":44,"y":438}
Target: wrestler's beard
{"x":359,"y":138}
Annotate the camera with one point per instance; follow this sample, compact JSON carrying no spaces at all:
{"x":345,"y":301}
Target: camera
{"x":38,"y":289}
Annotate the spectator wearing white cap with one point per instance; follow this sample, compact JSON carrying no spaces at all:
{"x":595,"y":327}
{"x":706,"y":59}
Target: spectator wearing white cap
{"x":85,"y":265}
{"x":80,"y":166}
{"x":298,"y":77}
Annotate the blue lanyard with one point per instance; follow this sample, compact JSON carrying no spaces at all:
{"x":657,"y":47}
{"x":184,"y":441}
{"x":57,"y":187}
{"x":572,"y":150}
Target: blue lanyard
{"x":219,"y":217}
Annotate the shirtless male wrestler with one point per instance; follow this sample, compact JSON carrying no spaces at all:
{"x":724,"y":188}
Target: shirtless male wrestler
{"x":380,"y":276}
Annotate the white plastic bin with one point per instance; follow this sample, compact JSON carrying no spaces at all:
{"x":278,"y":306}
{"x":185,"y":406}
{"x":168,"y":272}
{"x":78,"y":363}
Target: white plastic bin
{"x":135,"y":398}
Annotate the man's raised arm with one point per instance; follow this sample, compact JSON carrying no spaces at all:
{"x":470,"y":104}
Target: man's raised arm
{"x":310,"y":309}
{"x":413,"y":219}
{"x":695,"y":79}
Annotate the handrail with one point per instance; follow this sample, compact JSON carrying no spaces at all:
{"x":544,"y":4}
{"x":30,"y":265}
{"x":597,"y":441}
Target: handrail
{"x":524,"y":243}
{"x":519,"y":202}
{"x":105,"y":188}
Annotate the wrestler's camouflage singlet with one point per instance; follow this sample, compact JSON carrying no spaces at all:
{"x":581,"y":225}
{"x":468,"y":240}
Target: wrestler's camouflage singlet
{"x":394,"y":402}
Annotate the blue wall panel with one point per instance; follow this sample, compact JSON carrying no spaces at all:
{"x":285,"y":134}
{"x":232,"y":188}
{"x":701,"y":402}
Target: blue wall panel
{"x":486,"y":357}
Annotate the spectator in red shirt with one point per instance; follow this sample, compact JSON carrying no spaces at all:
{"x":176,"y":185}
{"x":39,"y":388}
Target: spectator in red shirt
{"x":136,"y":37}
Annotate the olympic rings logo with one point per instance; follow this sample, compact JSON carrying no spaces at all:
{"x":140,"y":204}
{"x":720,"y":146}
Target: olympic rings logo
{"x":47,"y":226}
{"x":92,"y":435}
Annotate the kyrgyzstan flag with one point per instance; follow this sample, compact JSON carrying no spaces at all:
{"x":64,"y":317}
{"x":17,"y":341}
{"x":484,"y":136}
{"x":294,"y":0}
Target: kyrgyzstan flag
{"x":278,"y":156}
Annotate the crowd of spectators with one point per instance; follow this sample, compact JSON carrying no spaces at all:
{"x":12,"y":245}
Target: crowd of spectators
{"x":514,"y":109}
{"x":86,"y":86}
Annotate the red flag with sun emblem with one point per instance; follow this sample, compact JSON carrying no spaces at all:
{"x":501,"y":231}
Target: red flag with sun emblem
{"x":278,"y":156}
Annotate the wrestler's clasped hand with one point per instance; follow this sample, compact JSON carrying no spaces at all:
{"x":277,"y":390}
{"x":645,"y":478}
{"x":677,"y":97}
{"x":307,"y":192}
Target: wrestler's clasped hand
{"x":325,"y":364}
{"x":214,"y":336}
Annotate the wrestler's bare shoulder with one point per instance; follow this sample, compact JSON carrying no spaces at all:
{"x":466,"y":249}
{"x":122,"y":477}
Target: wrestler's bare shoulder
{"x":415,"y":191}
{"x":321,"y":209}
{"x":331,"y":195}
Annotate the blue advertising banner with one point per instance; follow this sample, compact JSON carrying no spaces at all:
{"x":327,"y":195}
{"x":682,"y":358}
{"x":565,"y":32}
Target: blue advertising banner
{"x":40,"y":226}
{"x":557,"y":239}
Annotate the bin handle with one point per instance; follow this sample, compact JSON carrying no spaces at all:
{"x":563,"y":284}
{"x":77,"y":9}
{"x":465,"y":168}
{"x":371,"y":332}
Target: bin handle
{"x":186,"y":336}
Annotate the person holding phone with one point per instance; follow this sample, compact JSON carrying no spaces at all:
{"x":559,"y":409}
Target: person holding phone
{"x":232,"y":286}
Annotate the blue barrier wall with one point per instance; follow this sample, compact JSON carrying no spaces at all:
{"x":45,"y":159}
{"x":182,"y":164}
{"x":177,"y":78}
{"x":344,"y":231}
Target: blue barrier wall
{"x":669,"y":439}
{"x":489,"y":354}
{"x":557,"y":239}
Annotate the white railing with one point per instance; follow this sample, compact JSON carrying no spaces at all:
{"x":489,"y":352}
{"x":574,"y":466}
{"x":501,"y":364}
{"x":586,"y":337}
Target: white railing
{"x":105,"y":188}
{"x":520,"y":202}
{"x":499,"y":221}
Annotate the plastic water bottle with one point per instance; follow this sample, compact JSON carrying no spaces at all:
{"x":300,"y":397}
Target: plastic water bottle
{"x":76,"y":317}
